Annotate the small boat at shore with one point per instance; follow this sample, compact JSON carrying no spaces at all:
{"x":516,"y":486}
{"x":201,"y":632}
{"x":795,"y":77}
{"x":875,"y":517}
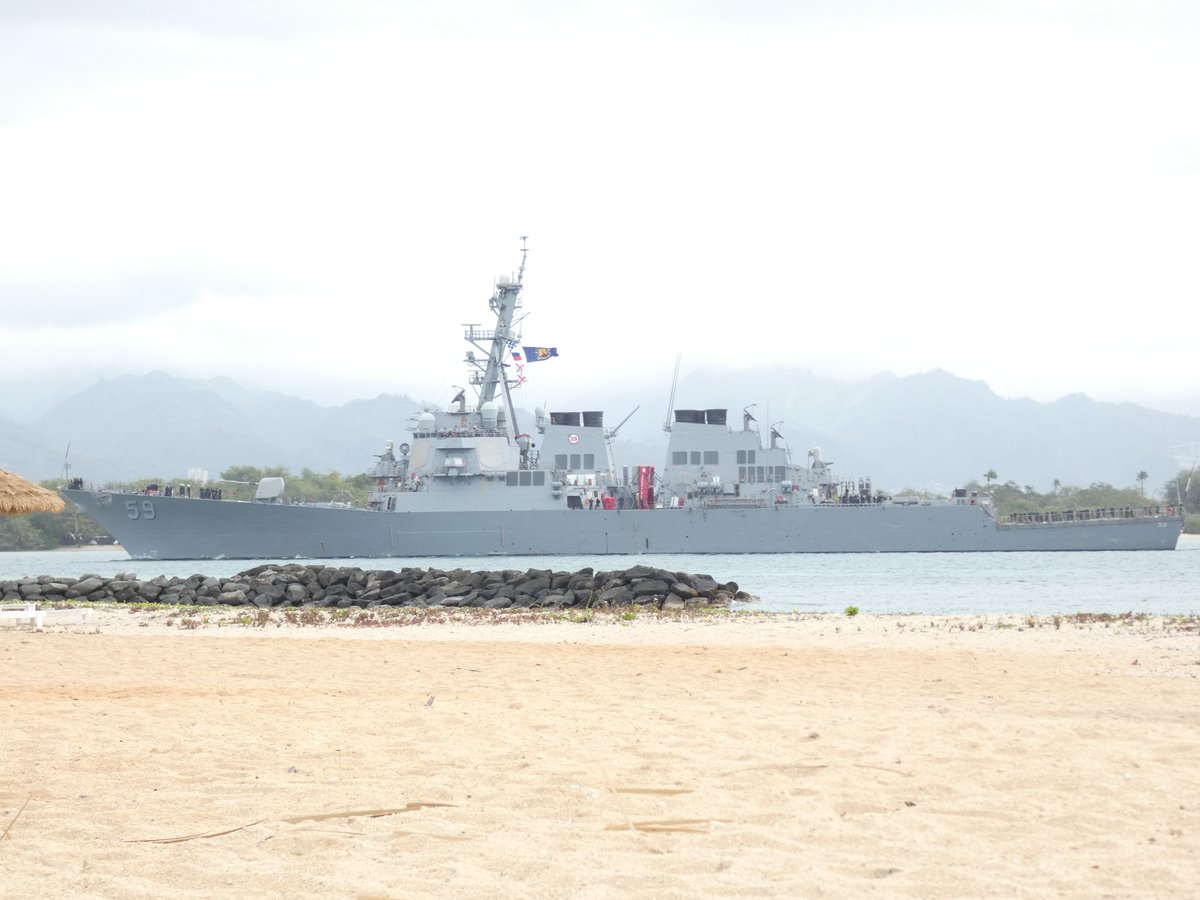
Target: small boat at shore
{"x":472,"y":482}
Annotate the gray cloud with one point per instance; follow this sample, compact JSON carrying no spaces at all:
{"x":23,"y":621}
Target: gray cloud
{"x":269,"y":19}
{"x":262,"y":18}
{"x":121,"y":298}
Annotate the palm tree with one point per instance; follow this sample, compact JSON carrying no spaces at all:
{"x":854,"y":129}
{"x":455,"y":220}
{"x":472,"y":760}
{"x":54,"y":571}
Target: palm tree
{"x":1141,"y":477}
{"x":990,"y":476}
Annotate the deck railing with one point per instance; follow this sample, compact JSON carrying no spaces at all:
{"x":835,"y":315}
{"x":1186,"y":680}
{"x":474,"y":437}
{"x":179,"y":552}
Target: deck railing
{"x":1107,"y":513}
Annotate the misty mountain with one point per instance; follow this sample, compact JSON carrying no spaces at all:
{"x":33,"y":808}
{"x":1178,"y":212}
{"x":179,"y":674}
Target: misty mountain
{"x":932,"y":430}
{"x":26,"y":450}
{"x":158,"y":425}
{"x":935,"y":430}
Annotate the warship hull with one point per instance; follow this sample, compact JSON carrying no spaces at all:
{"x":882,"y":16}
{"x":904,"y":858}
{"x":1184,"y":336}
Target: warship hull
{"x":185,"y":528}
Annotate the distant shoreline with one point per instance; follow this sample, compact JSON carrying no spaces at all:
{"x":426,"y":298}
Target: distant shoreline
{"x":1184,"y":538}
{"x":71,"y":549}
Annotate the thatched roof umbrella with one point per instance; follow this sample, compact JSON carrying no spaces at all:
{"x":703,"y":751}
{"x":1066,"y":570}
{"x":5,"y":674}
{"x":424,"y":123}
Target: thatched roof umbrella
{"x":18,"y":496}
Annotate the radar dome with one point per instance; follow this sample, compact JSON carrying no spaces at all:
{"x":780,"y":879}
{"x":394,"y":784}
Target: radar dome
{"x":269,"y":489}
{"x":425,"y":421}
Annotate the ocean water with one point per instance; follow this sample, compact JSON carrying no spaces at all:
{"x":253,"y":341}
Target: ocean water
{"x":932,"y":583}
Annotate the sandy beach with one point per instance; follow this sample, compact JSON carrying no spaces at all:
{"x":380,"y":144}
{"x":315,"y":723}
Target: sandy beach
{"x":150,"y":754}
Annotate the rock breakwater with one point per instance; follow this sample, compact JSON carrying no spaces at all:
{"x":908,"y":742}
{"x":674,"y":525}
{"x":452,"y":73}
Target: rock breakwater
{"x":294,"y":584}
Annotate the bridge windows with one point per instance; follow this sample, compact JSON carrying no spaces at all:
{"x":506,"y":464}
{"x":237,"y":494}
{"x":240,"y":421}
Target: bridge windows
{"x":575,"y":462}
{"x":526,"y":478}
{"x":695,"y":457}
{"x":761,"y":474}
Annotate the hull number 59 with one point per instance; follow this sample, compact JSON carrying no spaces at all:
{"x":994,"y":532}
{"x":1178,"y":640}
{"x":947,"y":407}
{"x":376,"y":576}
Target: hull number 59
{"x":139,"y":509}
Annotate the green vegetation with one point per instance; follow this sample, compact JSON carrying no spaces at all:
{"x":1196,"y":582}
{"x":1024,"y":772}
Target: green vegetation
{"x":239,"y":482}
{"x":46,"y":531}
{"x":1184,"y":489}
{"x":851,"y":610}
{"x":1012,"y":498}
{"x":308,"y":486}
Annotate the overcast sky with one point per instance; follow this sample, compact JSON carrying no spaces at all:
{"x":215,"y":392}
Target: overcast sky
{"x":314,"y":197}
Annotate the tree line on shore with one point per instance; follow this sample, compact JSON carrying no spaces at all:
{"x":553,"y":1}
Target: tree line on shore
{"x":1010,"y":498}
{"x":43,"y":531}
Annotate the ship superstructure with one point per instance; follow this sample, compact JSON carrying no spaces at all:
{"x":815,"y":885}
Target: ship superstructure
{"x":473,"y":455}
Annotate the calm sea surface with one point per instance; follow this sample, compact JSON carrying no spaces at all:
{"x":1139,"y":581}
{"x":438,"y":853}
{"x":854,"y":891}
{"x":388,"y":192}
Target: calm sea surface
{"x":934,"y":583}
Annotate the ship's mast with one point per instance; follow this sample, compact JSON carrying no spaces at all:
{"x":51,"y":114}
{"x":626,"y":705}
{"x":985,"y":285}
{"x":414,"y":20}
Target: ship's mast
{"x":671,"y":402}
{"x":492,"y":376}
{"x":504,"y":303}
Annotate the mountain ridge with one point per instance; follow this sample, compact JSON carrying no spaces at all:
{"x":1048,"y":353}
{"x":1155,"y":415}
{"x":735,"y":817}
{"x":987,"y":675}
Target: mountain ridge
{"x":932,"y":430}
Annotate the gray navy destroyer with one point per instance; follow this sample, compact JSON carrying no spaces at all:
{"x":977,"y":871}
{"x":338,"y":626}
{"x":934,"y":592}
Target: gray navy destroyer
{"x":472,"y":483}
